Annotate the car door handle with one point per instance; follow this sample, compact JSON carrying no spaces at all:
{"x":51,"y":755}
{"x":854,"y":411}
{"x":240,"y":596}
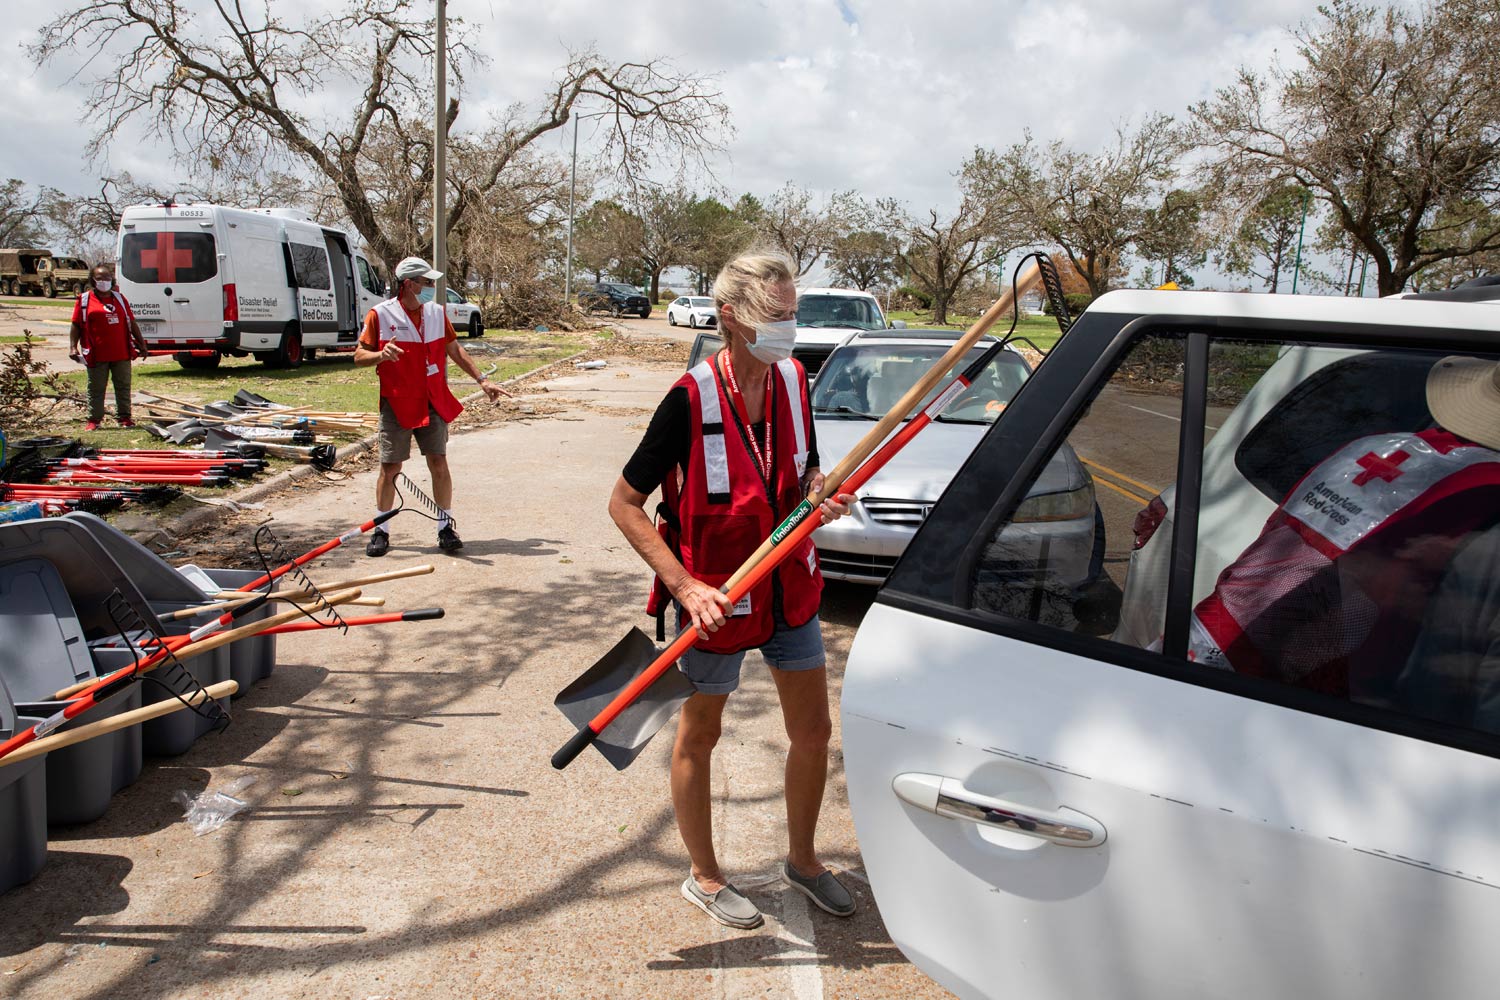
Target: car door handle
{"x":182,"y":301}
{"x":949,"y":798}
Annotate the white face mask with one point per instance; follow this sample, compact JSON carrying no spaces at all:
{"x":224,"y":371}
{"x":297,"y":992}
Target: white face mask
{"x":773,"y":341}
{"x":104,"y":284}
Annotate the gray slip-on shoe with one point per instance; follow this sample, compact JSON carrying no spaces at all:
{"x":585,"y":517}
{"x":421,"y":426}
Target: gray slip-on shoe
{"x":728,"y":906}
{"x":825,"y":890}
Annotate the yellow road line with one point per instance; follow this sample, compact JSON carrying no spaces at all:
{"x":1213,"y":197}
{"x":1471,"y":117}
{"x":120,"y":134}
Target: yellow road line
{"x":1119,"y":475}
{"x":1123,"y":492}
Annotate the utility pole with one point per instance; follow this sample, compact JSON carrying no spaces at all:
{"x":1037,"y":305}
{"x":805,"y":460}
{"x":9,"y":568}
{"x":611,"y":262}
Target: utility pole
{"x":572,"y":192}
{"x":440,"y":160}
{"x":1297,"y":266}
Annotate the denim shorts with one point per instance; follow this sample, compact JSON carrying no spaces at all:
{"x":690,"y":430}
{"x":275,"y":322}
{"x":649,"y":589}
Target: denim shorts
{"x":799,"y":648}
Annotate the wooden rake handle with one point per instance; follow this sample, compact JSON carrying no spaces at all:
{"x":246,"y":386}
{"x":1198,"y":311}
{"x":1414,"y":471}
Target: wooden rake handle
{"x":190,"y":649}
{"x":117,"y":722}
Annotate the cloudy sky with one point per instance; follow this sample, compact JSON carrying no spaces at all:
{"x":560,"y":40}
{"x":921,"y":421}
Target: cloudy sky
{"x":881,"y":96}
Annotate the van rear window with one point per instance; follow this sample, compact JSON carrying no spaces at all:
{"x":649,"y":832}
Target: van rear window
{"x":310,"y":266}
{"x":165,"y":258}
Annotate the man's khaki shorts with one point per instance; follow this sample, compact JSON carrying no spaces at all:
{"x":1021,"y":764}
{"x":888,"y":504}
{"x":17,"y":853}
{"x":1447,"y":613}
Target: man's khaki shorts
{"x":394,"y":441}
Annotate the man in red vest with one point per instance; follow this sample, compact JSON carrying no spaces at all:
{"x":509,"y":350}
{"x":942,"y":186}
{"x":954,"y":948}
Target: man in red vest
{"x":105,"y":337}
{"x":411,"y":344}
{"x":732,"y":449}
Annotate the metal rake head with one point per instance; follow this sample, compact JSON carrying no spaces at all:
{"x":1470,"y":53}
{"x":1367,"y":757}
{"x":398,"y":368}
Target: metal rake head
{"x":267,"y":544}
{"x":423,"y":500}
{"x":169,"y":673}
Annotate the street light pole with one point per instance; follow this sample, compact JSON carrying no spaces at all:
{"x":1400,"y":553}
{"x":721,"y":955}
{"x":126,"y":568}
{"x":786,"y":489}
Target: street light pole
{"x":440,"y":159}
{"x":1297,"y":266}
{"x":572,"y":192}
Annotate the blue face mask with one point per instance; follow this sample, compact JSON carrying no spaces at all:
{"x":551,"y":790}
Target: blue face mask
{"x":773,"y":341}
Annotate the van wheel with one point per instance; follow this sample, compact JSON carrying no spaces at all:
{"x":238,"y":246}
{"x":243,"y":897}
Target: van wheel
{"x":50,"y":289}
{"x":476,"y":328}
{"x":193,"y":362}
{"x":289,"y":354}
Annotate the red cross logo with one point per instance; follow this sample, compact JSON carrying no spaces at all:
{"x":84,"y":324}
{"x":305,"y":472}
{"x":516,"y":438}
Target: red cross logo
{"x":166,"y":258}
{"x":1375,"y":467}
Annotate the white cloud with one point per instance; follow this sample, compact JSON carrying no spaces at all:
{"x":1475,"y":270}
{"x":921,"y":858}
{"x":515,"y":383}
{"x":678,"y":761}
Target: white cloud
{"x":882,"y":96}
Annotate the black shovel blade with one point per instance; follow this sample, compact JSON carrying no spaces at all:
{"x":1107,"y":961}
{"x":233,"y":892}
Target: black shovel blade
{"x":623,"y":739}
{"x":245,"y":397}
{"x":185,"y":432}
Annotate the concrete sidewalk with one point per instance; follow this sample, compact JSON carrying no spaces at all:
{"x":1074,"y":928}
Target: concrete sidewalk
{"x":408,"y":837}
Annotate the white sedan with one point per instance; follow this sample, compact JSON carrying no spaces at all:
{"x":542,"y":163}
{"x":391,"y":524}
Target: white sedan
{"x":696,"y":311}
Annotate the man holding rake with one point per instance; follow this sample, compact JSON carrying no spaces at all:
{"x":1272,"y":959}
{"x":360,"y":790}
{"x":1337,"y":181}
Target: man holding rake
{"x":411,"y":343}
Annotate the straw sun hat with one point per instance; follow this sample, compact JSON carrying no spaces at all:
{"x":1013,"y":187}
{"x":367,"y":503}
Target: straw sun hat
{"x":1464,"y":396}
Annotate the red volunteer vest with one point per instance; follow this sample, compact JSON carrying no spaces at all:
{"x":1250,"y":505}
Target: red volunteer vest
{"x":1331,"y":594}
{"x":723,"y":511}
{"x":419,"y":377}
{"x":106,"y":327}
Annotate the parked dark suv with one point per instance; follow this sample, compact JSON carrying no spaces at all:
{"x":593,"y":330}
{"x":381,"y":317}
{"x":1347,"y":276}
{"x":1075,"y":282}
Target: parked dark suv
{"x":615,"y":298}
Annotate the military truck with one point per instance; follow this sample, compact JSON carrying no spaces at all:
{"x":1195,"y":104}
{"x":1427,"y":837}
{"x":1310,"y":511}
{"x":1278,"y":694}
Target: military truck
{"x":23,"y":272}
{"x":67,"y":275}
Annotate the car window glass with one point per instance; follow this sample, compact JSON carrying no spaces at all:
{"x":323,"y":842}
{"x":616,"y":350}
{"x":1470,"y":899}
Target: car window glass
{"x":1374,"y":575}
{"x":703,"y":303}
{"x":310,"y":266}
{"x":454,"y":296}
{"x":366,"y":278}
{"x":851,"y":311}
{"x":166,"y":258}
{"x":1094,"y":524}
{"x":867,"y":380}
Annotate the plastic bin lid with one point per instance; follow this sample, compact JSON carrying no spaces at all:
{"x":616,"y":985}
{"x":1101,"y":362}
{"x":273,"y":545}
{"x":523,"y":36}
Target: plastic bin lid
{"x":89,"y":574}
{"x":156,"y":579}
{"x":42,"y":647}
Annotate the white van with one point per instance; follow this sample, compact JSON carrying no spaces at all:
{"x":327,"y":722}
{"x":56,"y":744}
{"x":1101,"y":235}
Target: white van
{"x":209,"y":280}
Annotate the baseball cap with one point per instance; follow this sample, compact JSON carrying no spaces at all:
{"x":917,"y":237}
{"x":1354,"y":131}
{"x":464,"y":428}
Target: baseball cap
{"x":416,"y":267}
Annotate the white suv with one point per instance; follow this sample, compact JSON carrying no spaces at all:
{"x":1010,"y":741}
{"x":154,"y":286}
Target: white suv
{"x":825,"y":316}
{"x":1050,"y":805}
{"x":463,"y":314}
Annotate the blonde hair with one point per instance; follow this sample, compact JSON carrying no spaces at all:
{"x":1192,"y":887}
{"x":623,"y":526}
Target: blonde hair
{"x":746,"y":283}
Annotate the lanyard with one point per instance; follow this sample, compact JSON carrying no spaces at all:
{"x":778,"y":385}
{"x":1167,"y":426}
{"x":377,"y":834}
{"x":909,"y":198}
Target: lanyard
{"x":763,"y":459}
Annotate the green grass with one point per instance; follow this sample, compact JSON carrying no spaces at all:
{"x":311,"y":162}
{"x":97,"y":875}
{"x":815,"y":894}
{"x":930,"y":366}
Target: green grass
{"x":1040,"y":330}
{"x":61,"y":302}
{"x":330,"y":382}
{"x":15,"y":338}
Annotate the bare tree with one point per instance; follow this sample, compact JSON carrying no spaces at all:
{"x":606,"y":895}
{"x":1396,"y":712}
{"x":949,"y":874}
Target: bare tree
{"x":24,"y":213}
{"x":941,"y":254}
{"x":795,"y":224}
{"x":865,"y":258}
{"x":1093,"y":207}
{"x":253,"y":87}
{"x":1389,"y":119}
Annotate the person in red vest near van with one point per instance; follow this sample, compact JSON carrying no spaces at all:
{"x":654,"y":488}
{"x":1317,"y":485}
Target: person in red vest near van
{"x":732,"y":448}
{"x":104,"y":338}
{"x":411,"y":344}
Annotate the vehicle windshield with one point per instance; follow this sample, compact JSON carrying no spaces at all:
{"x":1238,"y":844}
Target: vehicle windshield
{"x":867,"y":380}
{"x":625,"y":289}
{"x":845,"y":311}
{"x":701,"y":303}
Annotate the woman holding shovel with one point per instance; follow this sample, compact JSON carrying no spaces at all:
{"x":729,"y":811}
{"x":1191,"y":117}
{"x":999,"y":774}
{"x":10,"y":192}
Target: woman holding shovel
{"x":731,"y":447}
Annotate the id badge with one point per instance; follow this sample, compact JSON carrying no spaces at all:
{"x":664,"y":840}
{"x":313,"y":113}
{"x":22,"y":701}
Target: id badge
{"x":741,"y":607}
{"x":432,"y":369}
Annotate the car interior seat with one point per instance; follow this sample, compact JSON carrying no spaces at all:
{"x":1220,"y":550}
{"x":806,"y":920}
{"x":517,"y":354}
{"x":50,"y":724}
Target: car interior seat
{"x":843,"y":392}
